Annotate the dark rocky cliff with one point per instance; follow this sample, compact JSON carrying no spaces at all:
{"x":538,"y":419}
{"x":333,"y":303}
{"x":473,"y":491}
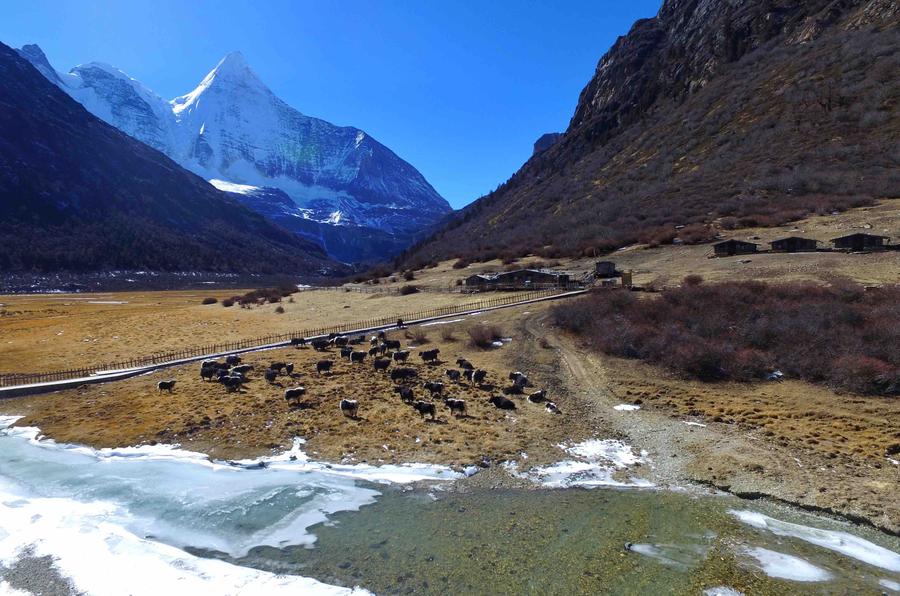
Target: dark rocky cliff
{"x":77,"y":194}
{"x":715,"y":111}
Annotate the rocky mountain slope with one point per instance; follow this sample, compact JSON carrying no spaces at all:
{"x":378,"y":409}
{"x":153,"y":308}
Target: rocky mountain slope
{"x":77,"y":194}
{"x":713,"y":114}
{"x":232,"y":128}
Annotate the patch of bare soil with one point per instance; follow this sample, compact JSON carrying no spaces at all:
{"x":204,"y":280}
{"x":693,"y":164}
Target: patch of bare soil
{"x":203,"y":416}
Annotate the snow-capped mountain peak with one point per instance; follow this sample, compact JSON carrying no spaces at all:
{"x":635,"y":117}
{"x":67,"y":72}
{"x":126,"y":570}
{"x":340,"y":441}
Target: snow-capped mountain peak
{"x":232,"y":75}
{"x":232,"y":128}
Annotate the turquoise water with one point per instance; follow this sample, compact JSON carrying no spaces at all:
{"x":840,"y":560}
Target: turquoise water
{"x":570,"y":541}
{"x":156,"y":520}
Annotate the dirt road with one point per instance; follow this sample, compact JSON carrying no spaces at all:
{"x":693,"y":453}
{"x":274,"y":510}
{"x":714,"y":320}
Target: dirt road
{"x":744,"y":459}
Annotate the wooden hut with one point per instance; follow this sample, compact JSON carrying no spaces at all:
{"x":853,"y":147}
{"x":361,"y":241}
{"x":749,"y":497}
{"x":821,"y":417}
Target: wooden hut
{"x":733,"y":247}
{"x":532,"y":277}
{"x":480,"y":280}
{"x":604,"y":269}
{"x":794,"y":244}
{"x":860,"y":241}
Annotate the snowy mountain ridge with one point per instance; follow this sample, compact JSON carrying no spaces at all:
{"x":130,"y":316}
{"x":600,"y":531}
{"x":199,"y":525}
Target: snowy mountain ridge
{"x":232,"y":129}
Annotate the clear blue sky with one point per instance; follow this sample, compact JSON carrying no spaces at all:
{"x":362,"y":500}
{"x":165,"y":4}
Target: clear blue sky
{"x":459,"y":89}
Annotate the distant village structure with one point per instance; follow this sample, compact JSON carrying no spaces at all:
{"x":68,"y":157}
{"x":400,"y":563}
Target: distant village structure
{"x":520,"y":278}
{"x":857,"y":242}
{"x":733,"y":247}
{"x":860,"y":242}
{"x":605,"y":269}
{"x":794,"y":244}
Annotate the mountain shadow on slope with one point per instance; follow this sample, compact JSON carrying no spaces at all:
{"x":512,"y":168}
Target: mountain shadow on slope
{"x":77,"y":194}
{"x":711,"y":115}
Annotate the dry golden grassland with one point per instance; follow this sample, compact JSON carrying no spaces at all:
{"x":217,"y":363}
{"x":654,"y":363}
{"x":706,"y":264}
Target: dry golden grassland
{"x":795,"y":440}
{"x":204,"y":416}
{"x":52,"y":332}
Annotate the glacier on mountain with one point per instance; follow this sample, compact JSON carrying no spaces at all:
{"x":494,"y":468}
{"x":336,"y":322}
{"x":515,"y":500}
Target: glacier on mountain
{"x":235,"y":132}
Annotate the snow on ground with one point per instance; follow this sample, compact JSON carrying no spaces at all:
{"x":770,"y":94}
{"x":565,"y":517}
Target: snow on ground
{"x":782,"y":566}
{"x":841,"y":542}
{"x":594,"y":462}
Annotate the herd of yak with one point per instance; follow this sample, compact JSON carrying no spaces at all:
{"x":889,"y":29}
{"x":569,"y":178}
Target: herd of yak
{"x":384,"y":352}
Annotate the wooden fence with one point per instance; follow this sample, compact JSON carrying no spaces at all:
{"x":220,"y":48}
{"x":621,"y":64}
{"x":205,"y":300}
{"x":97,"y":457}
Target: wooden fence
{"x":13,"y":379}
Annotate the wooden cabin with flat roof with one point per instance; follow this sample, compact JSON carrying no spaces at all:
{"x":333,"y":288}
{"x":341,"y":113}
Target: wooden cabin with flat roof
{"x":733,"y":247}
{"x":794,"y":244}
{"x":480,"y":280}
{"x":605,"y":269}
{"x":860,"y":241}
{"x":533,"y":277}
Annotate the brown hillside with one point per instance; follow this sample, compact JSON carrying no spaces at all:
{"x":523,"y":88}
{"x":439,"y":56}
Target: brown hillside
{"x":713,"y":112}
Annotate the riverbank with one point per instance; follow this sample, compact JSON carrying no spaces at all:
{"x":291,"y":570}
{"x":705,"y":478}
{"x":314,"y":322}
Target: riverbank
{"x":78,"y":520}
{"x":790,"y":441}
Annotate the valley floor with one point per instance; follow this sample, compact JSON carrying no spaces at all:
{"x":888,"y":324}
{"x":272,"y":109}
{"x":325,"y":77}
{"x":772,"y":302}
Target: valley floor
{"x":792,"y":441}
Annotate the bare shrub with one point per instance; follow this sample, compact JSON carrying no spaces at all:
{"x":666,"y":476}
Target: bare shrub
{"x":447,"y":334}
{"x":419,"y":336}
{"x":839,"y":335}
{"x":693,"y":280}
{"x":728,"y":222}
{"x":409,"y":275}
{"x":462,"y":263}
{"x":279,"y":310}
{"x":210,"y":300}
{"x":228,"y":302}
{"x":483,"y":336}
{"x":407,"y":290}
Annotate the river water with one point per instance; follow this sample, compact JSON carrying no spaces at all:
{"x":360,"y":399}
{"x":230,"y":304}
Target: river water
{"x":158,"y":520}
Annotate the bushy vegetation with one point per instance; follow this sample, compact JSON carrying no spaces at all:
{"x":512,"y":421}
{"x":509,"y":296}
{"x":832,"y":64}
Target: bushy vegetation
{"x":228,"y":302}
{"x":210,"y":300}
{"x":841,"y":335}
{"x":483,"y":336}
{"x":264,"y":295}
{"x":407,"y":290}
{"x":417,"y":335}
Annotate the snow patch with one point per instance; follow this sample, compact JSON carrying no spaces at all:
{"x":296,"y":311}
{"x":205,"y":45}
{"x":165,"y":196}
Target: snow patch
{"x":889,"y":584}
{"x":117,"y":521}
{"x":782,"y":566}
{"x":677,"y":556}
{"x":721,"y":591}
{"x":595,"y":464}
{"x":225,"y":186}
{"x":440,"y":323}
{"x":841,"y":542}
{"x":627,"y":407}
{"x":101,"y":557}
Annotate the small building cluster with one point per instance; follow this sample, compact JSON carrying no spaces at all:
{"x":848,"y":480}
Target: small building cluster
{"x":729,"y":248}
{"x":859,"y":241}
{"x":520,"y":278}
{"x":851,"y":242}
{"x":794,"y":244}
